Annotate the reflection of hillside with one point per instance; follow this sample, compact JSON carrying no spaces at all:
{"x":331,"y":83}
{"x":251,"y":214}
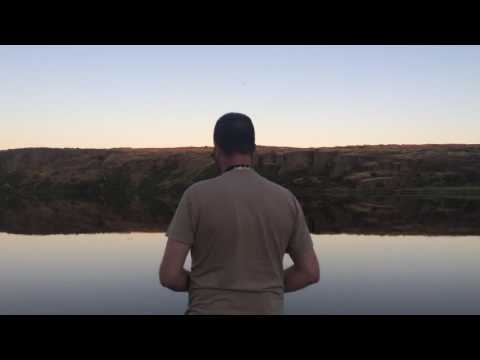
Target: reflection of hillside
{"x":71,"y":217}
{"x":346,"y":214}
{"x":393,"y":215}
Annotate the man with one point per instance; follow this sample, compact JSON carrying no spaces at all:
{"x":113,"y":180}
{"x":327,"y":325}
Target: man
{"x":238,"y":227}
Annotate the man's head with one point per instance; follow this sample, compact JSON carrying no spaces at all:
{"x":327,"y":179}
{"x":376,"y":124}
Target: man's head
{"x":234,"y":139}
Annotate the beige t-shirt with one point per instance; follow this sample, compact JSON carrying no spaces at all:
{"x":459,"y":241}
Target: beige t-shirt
{"x":239,"y":226}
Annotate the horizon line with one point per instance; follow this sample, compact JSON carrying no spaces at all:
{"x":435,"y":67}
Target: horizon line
{"x":258,"y":146}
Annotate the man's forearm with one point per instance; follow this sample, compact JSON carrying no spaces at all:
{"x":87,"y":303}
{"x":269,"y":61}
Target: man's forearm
{"x":294,"y":279}
{"x":181,"y":281}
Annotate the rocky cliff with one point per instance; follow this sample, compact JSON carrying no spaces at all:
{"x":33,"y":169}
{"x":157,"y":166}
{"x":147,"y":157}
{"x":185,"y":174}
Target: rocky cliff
{"x":116,"y":175}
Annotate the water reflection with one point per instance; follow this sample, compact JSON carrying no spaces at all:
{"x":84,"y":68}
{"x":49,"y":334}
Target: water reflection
{"x":112,"y":266}
{"x":74,"y":217}
{"x":117,"y":274}
{"x":394,"y":215}
{"x":325,"y":215}
{"x":84,"y":274}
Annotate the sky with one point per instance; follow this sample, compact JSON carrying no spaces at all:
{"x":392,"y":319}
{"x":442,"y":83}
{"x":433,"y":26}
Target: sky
{"x":303,"y":96}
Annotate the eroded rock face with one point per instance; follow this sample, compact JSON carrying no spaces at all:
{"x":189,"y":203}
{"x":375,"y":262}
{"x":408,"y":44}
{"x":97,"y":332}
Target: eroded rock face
{"x":343,"y":165}
{"x":297,"y":161}
{"x":270,"y":159}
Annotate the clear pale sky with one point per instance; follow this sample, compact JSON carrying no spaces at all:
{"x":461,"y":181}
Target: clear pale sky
{"x":168,"y":96}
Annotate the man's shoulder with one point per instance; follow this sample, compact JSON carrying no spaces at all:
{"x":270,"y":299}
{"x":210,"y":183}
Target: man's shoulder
{"x":201,"y":186}
{"x":277,"y":187}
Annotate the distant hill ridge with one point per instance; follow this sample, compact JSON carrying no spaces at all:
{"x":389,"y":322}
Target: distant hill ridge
{"x":123,"y":174}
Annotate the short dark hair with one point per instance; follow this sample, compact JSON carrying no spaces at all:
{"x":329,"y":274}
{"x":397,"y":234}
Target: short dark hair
{"x":234,"y":133}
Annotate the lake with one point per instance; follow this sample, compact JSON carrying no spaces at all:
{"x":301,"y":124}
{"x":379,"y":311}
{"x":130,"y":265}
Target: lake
{"x":117,"y":273}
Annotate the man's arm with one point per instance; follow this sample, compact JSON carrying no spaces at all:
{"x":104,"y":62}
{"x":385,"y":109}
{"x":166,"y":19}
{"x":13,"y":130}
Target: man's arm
{"x":172,"y":273}
{"x":181,"y":236}
{"x":304,"y":271}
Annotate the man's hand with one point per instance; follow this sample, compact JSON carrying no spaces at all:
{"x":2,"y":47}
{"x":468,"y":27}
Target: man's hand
{"x":172,"y":274}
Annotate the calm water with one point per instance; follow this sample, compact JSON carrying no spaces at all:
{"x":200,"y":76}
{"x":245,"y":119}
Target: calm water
{"x":360,"y":274}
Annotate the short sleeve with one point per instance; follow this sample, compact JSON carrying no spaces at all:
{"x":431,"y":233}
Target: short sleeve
{"x":181,"y":227}
{"x":300,"y":240}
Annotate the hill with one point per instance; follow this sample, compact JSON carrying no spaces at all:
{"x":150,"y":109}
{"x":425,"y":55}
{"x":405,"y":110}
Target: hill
{"x":50,"y":189}
{"x":118,"y":173}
